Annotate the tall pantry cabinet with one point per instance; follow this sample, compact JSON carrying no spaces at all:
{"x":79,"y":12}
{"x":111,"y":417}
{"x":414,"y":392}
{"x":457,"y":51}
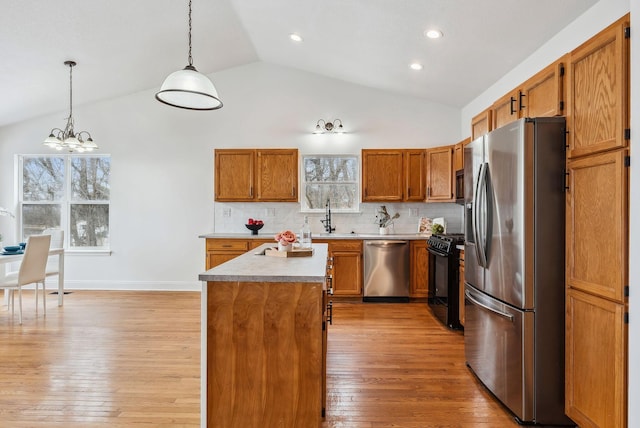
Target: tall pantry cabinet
{"x":597,"y":232}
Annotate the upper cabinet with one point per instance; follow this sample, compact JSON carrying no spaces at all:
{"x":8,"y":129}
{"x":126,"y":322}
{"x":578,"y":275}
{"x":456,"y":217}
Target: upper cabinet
{"x":440,"y":177}
{"x":481,"y":124}
{"x":541,"y":95}
{"x":598,"y":92}
{"x":393,"y":175}
{"x":458,"y":154}
{"x":259,"y":175}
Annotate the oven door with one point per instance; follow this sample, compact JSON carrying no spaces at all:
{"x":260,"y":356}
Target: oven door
{"x":438,"y":274}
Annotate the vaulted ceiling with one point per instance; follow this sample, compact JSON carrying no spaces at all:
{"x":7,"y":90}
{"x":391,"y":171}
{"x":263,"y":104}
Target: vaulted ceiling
{"x":123,"y":46}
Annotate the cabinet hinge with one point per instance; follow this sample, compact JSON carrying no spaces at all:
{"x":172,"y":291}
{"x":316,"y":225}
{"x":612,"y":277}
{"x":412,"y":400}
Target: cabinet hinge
{"x":561,"y":105}
{"x":627,"y":32}
{"x":627,"y":161}
{"x":562,"y":70}
{"x":626,"y":291}
{"x":626,"y":317}
{"x":627,"y":134}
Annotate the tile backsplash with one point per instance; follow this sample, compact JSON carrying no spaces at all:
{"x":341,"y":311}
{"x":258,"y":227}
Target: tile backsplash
{"x":230,"y":217}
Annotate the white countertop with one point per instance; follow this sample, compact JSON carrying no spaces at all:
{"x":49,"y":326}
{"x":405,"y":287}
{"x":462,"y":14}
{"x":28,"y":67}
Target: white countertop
{"x":322,"y":236}
{"x":251,"y":267}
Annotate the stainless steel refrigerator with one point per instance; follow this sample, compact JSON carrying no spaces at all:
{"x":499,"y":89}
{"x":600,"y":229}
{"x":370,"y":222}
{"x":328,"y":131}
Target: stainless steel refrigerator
{"x":514,"y":266}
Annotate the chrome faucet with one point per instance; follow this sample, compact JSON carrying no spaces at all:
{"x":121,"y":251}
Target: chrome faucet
{"x":327,"y":217}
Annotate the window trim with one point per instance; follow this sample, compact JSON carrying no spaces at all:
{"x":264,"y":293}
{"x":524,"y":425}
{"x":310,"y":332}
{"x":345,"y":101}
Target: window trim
{"x":356,"y":182}
{"x":65,"y":203}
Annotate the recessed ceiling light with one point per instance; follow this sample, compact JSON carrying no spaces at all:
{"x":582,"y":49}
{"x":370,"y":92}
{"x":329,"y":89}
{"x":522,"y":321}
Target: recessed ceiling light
{"x":295,"y":37}
{"x":433,"y":34}
{"x":415,"y":66}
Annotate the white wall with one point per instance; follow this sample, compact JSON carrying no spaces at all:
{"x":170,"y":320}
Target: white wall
{"x":162,"y":160}
{"x":595,"y":19}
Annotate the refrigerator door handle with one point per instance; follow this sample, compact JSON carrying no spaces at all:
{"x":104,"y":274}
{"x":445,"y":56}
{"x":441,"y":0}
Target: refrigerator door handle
{"x":480,"y":216}
{"x":488,"y":308}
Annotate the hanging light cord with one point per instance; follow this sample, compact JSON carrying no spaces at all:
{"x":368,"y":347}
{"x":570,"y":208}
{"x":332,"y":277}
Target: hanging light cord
{"x":190,"y":57}
{"x":70,"y":91}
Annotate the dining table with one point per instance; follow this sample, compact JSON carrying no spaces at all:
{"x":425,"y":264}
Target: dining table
{"x":5,"y":259}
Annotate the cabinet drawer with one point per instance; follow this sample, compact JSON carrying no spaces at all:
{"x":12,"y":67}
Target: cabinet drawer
{"x":227,"y":244}
{"x":355,"y":245}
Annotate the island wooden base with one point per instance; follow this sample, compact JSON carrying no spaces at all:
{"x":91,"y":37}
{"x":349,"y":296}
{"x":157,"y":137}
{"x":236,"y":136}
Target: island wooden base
{"x":265,"y":354}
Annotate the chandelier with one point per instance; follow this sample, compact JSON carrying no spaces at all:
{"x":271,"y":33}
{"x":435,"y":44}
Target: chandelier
{"x":68,"y":139}
{"x":189,"y":89}
{"x":323,"y":126}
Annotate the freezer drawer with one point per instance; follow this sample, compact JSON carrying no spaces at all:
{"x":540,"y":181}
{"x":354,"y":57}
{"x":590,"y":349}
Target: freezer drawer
{"x":499,"y":343}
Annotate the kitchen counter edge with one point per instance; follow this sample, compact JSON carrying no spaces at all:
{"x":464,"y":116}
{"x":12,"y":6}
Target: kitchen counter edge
{"x":355,"y":236}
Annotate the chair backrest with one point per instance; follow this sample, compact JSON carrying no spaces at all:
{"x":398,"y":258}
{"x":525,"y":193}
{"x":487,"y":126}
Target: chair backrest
{"x":57,"y":236}
{"x":34,"y":263}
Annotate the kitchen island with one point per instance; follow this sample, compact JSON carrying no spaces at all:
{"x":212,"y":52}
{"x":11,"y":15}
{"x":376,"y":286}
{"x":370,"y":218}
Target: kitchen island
{"x":264,"y":341}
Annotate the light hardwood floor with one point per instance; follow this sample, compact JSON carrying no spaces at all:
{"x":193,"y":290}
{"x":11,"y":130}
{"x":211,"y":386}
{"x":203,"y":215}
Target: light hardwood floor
{"x":132,"y":359}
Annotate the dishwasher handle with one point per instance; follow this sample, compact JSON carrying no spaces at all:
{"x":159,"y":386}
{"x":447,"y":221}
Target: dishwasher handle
{"x":385,"y":243}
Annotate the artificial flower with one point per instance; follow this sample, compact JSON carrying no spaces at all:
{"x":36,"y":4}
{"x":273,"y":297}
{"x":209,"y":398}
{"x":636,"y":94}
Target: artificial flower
{"x":286,"y":237}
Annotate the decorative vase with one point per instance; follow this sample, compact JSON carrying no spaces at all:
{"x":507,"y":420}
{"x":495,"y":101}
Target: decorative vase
{"x":384,"y":230}
{"x":283,"y":247}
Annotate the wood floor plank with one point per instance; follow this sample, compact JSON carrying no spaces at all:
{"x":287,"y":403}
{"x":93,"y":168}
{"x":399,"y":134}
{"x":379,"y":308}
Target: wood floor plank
{"x":132,"y":359}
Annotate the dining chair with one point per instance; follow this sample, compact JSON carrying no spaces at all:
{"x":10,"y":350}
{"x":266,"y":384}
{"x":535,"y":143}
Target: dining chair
{"x":57,"y":241}
{"x":32,"y":271}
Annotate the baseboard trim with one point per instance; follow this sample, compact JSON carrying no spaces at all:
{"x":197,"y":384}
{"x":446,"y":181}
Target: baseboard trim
{"x":52,"y":284}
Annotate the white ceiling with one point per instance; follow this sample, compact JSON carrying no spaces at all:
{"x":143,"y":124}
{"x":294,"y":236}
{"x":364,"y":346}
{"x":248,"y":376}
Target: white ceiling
{"x":125,"y":46}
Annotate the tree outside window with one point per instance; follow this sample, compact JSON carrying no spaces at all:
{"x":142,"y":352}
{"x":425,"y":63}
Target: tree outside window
{"x":70,"y":192}
{"x":330,"y":177}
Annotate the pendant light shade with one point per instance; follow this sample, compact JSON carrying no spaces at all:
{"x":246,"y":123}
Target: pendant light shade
{"x":189,"y":89}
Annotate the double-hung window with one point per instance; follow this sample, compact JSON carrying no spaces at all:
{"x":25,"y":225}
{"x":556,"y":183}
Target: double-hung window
{"x":330,"y":177}
{"x":70,"y":192}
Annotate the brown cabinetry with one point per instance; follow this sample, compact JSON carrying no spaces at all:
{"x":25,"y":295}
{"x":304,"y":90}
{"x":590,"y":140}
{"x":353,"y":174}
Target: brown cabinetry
{"x":346,"y":258}
{"x":539,"y":96}
{"x":595,"y":368}
{"x":393,"y":175}
{"x":219,"y":251}
{"x":598,"y":93}
{"x":597,"y":230}
{"x":256,"y":175}
{"x":440,"y":177}
{"x":419,"y":269}
{"x":481,"y":124}
{"x":597,"y":233}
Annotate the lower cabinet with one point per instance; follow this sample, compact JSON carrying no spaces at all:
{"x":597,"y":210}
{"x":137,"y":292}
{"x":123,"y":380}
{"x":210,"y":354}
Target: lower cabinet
{"x":595,"y":361}
{"x":347,"y":266}
{"x":219,"y":251}
{"x":419,"y":267}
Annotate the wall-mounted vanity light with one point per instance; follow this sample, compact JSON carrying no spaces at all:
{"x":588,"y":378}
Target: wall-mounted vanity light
{"x":323,"y":127}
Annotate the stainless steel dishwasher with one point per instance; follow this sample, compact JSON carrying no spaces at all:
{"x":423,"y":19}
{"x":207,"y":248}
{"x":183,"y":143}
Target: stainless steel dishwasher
{"x":386,"y":271}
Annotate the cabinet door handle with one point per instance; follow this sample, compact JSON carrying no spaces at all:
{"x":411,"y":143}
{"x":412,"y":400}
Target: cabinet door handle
{"x":251,"y":191}
{"x":521,"y":95}
{"x":511,"y":105}
{"x":330,"y":312}
{"x":293,"y":191}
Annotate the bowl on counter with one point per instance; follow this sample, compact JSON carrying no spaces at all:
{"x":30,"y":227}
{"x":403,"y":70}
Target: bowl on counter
{"x":254,"y":228}
{"x":12,"y":248}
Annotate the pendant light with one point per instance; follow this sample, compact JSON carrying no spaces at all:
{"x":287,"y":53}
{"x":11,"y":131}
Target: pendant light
{"x":68,"y":139}
{"x":189,"y":89}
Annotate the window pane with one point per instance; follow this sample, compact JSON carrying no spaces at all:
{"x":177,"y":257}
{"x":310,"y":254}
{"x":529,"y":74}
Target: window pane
{"x":343,"y":196}
{"x":37,"y":217}
{"x":89,"y":225}
{"x":42,"y":179}
{"x":90,"y":178}
{"x":330,"y":169}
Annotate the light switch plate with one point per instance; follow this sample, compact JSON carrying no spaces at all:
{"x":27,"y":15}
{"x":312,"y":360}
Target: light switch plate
{"x":413,"y":212}
{"x":226,"y":212}
{"x":270,"y":212}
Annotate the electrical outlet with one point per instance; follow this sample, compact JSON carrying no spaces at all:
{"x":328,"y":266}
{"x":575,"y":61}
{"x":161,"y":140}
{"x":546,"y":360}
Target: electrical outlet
{"x":270,"y":212}
{"x":226,"y":212}
{"x":413,"y":212}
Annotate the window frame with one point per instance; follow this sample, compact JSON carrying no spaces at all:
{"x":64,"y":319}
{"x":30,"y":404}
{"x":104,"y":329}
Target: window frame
{"x":303,"y":184}
{"x":65,"y":203}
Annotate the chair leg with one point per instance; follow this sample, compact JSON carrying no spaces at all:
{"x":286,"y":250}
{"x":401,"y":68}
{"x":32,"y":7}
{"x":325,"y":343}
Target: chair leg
{"x":36,"y":297}
{"x":44,"y":300}
{"x":20,"y":303}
